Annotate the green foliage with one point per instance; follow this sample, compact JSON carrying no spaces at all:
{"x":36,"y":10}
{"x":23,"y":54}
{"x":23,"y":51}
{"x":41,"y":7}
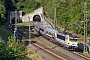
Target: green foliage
{"x":14,"y":50}
{"x":4,"y":33}
{"x":28,"y":5}
{"x":2,"y":9}
{"x":2,"y":12}
{"x":67,"y":13}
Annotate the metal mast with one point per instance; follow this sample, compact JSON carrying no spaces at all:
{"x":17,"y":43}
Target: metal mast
{"x":15,"y":30}
{"x":29,"y":29}
{"x":85,"y":27}
{"x":54,"y":16}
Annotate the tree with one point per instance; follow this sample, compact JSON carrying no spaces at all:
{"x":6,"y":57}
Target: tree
{"x":2,"y":12}
{"x":68,"y":12}
{"x":14,"y":50}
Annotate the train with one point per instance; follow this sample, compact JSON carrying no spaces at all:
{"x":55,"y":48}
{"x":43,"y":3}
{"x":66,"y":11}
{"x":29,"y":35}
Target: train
{"x":57,"y":36}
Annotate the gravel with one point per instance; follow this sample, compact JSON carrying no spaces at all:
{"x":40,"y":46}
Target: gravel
{"x":64,"y":51}
{"x":45,"y":55}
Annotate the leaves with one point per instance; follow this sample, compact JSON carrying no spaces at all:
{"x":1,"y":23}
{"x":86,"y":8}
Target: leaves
{"x":14,"y":50}
{"x":29,"y":5}
{"x":68,"y":12}
{"x":2,"y":9}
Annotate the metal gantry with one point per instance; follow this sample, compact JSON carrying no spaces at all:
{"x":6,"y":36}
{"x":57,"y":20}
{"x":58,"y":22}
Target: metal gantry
{"x":10,"y":23}
{"x":15,"y":30}
{"x":55,"y":15}
{"x":29,"y":29}
{"x":85,"y":26}
{"x":29,"y":33}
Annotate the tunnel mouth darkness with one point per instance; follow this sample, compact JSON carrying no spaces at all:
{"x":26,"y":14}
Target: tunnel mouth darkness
{"x":37,"y":18}
{"x":13,"y":20}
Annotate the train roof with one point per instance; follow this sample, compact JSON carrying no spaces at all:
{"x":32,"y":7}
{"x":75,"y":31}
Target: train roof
{"x":70,"y":34}
{"x":52,"y":30}
{"x":43,"y":27}
{"x":38,"y":23}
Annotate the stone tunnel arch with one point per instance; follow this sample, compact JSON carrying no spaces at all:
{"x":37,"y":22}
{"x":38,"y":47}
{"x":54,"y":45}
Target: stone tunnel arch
{"x":37,"y":18}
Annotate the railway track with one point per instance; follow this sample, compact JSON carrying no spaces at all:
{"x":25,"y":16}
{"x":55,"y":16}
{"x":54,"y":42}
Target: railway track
{"x":47,"y":51}
{"x":81,"y":55}
{"x":50,"y":52}
{"x":72,"y":55}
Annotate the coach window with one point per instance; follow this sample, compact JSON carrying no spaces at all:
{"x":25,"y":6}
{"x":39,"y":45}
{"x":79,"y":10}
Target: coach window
{"x":63,"y":38}
{"x":49,"y":33}
{"x":52,"y":35}
{"x":46,"y":32}
{"x":58,"y":36}
{"x":42,"y":30}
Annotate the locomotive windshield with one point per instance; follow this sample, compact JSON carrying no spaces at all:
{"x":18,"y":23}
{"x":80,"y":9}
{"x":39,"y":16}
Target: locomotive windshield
{"x":73,"y":39}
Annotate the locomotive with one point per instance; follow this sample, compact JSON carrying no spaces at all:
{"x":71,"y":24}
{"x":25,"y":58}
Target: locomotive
{"x":57,"y":36}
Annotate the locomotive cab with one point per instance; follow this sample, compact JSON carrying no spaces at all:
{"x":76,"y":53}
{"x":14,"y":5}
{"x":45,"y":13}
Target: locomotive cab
{"x":72,"y":42}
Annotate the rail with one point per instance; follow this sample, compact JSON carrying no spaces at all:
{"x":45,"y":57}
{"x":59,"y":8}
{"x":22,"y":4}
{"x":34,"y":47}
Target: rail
{"x":48,"y":21}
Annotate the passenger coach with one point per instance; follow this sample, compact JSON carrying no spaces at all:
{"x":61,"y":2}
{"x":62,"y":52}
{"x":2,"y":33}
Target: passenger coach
{"x":62,"y":38}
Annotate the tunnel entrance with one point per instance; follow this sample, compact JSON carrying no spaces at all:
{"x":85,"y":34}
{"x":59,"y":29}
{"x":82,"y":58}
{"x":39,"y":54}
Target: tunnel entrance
{"x":13,"y":20}
{"x":37,"y":18}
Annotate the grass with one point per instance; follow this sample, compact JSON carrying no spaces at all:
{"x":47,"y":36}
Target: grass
{"x":34,"y":55}
{"x":43,"y":43}
{"x":4,"y":33}
{"x":40,"y":41}
{"x":86,"y":54}
{"x":48,"y":46}
{"x":26,"y":24}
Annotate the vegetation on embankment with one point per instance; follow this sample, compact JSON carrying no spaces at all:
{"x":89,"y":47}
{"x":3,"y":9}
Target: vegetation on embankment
{"x":2,"y":12}
{"x":67,"y":13}
{"x":13,"y":50}
{"x":4,"y":33}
